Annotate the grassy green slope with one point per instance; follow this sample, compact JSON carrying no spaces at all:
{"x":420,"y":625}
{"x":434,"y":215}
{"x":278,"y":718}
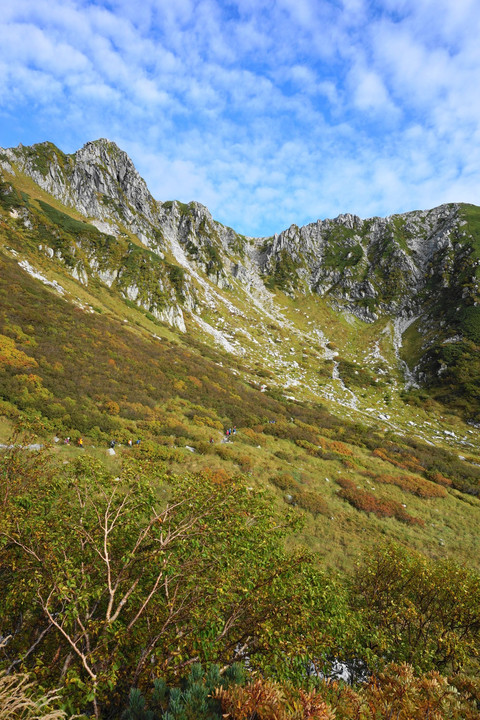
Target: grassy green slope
{"x":91,"y":364}
{"x":86,"y":373}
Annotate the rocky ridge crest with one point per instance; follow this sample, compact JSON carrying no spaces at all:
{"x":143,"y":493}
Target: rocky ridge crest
{"x":368,"y":267}
{"x":170,"y":257}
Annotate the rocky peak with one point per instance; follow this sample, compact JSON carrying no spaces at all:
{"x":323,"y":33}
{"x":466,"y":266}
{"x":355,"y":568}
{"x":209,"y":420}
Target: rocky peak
{"x":370,"y":267}
{"x":99,"y":180}
{"x":101,"y":167}
{"x":350,"y":221}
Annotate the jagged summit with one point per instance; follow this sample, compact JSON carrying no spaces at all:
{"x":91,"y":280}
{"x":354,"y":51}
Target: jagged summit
{"x":417,"y":270}
{"x":99,"y":180}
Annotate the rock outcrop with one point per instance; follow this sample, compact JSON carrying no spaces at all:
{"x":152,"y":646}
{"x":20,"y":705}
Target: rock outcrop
{"x":403,"y":266}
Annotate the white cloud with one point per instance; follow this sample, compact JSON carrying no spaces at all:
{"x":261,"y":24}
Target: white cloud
{"x":267,"y":111}
{"x":369,"y":91}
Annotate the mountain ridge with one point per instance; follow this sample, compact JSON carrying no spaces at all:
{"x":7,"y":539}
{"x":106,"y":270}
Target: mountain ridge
{"x":176,"y":262}
{"x":198,"y":329}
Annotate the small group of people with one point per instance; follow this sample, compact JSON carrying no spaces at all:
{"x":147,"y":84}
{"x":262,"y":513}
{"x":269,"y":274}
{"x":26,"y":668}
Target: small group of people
{"x":112,"y":443}
{"x":130,"y":443}
{"x":68,"y":440}
{"x":231,"y":431}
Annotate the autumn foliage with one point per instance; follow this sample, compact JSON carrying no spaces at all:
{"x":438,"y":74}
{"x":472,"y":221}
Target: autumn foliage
{"x":412,"y":484}
{"x":367,"y":502}
{"x":396,"y":693}
{"x":266,"y":700}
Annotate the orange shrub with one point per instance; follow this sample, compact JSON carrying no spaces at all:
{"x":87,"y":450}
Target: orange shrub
{"x":407,"y":462}
{"x":265,"y":700}
{"x":335,"y":446}
{"x":365,"y":501}
{"x":195,"y":381}
{"x":415,"y":485}
{"x":259,"y":428}
{"x":438,"y":478}
{"x":218,"y":475}
{"x":398,"y":693}
{"x":245,"y":462}
{"x":12,"y":356}
{"x":256,"y":438}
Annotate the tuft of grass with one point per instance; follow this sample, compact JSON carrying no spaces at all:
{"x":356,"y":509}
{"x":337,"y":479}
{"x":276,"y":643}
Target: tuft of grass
{"x":20,"y":701}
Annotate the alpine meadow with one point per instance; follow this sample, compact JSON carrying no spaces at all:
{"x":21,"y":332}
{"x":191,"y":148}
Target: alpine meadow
{"x":239,"y":476}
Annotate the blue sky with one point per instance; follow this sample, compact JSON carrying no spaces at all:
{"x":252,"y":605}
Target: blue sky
{"x":270,"y":112}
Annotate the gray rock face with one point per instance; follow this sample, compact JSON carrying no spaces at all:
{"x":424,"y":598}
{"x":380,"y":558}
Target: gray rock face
{"x":99,"y":180}
{"x":368,"y":267}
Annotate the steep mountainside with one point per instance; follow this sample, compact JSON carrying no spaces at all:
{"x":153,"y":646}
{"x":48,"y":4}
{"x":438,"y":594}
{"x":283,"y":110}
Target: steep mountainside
{"x":397,"y":295}
{"x":220,"y":448}
{"x":345,"y":352}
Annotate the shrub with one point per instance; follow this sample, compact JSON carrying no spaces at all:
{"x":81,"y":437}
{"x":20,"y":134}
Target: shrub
{"x":253,"y":437}
{"x":438,"y":478}
{"x":205,"y":448}
{"x":404,"y":461}
{"x":365,"y":501}
{"x":335,"y":446}
{"x":195,"y":698}
{"x":310,"y":500}
{"x":263,"y":699}
{"x":245,"y":462}
{"x":282,"y":455}
{"x":223,"y":452}
{"x":290,"y":431}
{"x":284,"y":481}
{"x":203,"y":420}
{"x":308,"y":446}
{"x":419,"y":610}
{"x":413,"y":484}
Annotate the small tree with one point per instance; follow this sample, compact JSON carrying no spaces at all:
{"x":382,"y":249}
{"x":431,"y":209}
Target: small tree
{"x":416,"y":610}
{"x":112,"y":580}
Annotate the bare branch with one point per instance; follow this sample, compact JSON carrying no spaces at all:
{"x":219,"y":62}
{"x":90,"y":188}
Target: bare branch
{"x":67,"y":637}
{"x":25,"y":548}
{"x":123,"y":601}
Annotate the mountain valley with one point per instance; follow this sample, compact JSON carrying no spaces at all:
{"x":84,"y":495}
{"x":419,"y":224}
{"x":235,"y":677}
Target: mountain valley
{"x":274,"y":441}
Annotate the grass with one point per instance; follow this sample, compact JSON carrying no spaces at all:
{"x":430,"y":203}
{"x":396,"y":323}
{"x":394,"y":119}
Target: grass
{"x":412,"y":342}
{"x":6,"y":429}
{"x":19,"y":698}
{"x":471,"y":213}
{"x":102,"y":377}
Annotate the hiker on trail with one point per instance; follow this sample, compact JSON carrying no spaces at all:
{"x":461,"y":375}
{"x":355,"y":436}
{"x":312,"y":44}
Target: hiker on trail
{"x":112,"y":444}
{"x":137,"y":442}
{"x":80,"y":442}
{"x":130,"y":442}
{"x":234,"y":430}
{"x":211,"y":440}
{"x":67,"y":441}
{"x":227,"y":433}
